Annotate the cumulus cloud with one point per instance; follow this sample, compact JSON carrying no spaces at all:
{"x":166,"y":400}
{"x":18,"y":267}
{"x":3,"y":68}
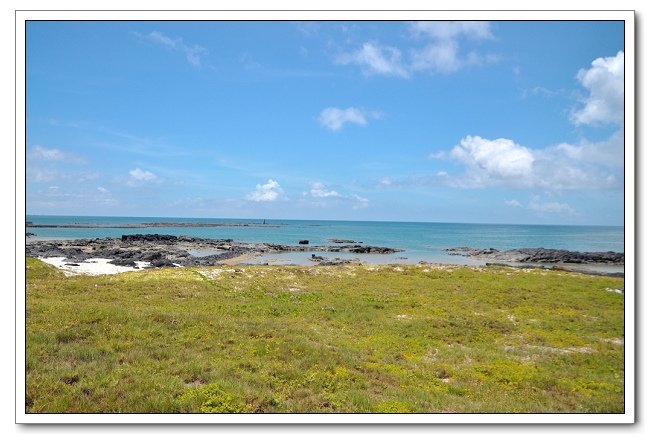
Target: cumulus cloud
{"x":605,"y":82}
{"x":141,"y":175}
{"x":138,"y":176}
{"x":499,"y":159}
{"x":268,"y":192}
{"x":502,"y":162}
{"x":335,"y":118}
{"x":376,"y":59}
{"x":192,"y":53}
{"x":318,"y":189}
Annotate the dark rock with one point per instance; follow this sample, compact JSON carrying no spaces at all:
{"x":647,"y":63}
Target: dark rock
{"x":152,"y":256}
{"x":367,"y":249}
{"x":123,"y":262}
{"x":160,"y":238}
{"x":303,"y":242}
{"x":158,"y":263}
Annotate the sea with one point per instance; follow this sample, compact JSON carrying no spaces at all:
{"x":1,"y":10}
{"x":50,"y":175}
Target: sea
{"x":421,"y":241}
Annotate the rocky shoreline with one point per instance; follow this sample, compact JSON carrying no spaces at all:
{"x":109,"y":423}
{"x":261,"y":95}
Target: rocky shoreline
{"x":539,"y":255}
{"x":169,"y":251}
{"x":607,"y":263}
{"x":160,"y":250}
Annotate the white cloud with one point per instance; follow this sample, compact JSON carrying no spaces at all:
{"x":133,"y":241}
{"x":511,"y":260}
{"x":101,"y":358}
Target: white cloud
{"x":192,"y":53}
{"x":161,"y":38}
{"x":607,"y":152}
{"x":502,"y":162}
{"x":375,"y":59}
{"x":605,"y":83}
{"x":335,"y":118}
{"x":41,"y":154}
{"x":318,"y":189}
{"x":499,"y":159}
{"x":359,"y":202}
{"x":443,"y":55}
{"x":445,"y":30}
{"x":582,"y":165}
{"x":141,"y":175}
{"x":322,"y":196}
{"x":137,"y":177}
{"x":268,"y":192}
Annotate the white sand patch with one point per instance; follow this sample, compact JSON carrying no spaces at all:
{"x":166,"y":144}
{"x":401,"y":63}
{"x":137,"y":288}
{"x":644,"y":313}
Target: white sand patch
{"x":92,"y":266}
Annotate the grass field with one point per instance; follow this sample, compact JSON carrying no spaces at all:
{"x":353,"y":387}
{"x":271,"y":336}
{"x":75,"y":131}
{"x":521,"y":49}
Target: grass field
{"x":415,"y":338}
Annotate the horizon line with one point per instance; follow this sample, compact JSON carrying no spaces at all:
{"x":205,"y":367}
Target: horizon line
{"x":325,"y":220}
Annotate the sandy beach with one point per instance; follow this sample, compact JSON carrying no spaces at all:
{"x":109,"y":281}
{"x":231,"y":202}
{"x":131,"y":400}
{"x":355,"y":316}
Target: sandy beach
{"x":100,"y":266}
{"x":92,"y":266}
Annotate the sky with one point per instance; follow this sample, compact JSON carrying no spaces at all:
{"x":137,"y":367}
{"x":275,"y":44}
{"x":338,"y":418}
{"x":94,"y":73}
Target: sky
{"x":477,"y":122}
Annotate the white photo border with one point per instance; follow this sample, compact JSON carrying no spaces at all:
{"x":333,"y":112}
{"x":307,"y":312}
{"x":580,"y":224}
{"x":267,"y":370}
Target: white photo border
{"x":23,"y":16}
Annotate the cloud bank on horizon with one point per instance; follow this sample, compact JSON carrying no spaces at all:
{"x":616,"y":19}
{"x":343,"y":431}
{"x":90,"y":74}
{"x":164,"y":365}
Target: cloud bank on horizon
{"x":465,"y":121}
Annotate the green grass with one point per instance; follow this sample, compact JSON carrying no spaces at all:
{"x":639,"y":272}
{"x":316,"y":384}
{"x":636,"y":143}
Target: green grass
{"x":323,"y":339}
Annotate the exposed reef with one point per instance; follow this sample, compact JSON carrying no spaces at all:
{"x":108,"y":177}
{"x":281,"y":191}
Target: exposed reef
{"x":540,"y":255}
{"x":162,"y":250}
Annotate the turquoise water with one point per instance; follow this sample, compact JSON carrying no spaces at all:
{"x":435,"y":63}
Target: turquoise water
{"x":421,"y":240}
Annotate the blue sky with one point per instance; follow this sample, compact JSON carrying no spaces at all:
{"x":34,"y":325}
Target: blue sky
{"x":486,"y":122}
